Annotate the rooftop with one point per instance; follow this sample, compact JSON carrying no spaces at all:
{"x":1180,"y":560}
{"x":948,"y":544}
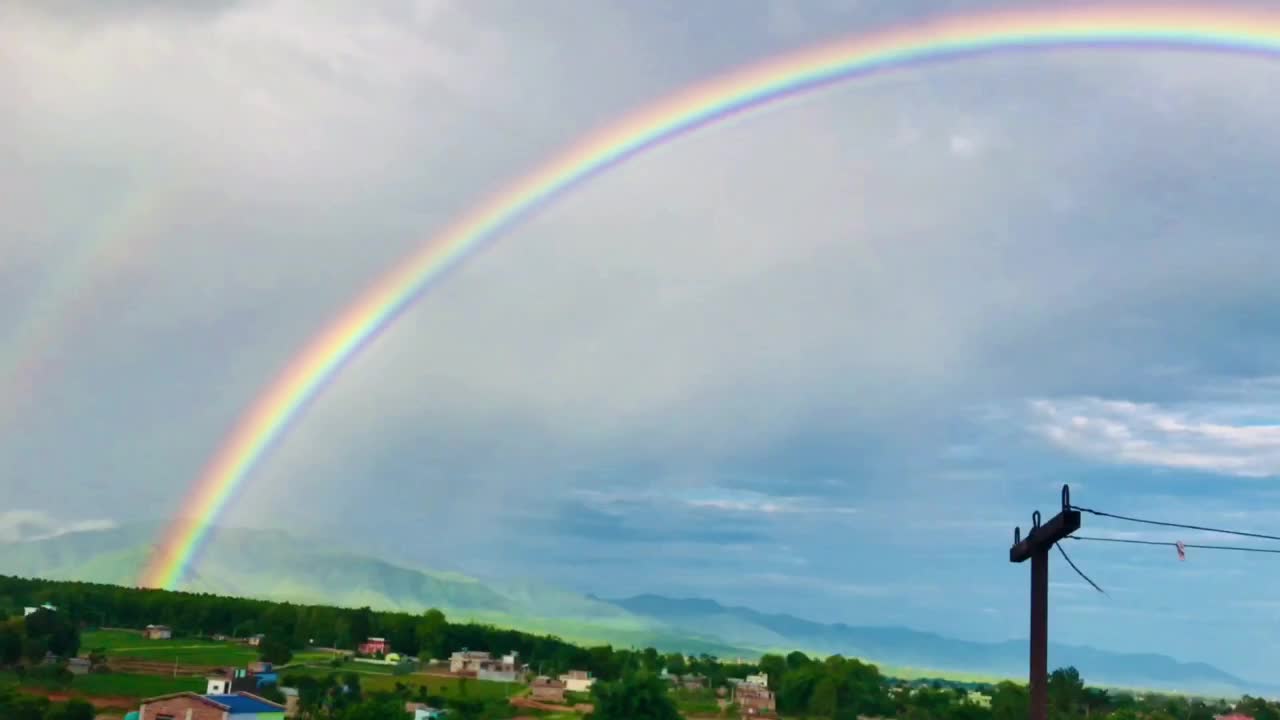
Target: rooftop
{"x":245,"y":703}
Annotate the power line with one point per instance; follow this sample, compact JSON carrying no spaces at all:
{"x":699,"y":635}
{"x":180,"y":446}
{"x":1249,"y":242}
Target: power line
{"x":1240,"y":533}
{"x":1078,"y":571}
{"x":1273,"y":551}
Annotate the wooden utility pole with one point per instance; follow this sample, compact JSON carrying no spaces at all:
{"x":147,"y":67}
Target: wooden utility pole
{"x":1035,"y":546}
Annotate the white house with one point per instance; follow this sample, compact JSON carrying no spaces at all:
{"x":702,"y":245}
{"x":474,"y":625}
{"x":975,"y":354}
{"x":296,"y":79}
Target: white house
{"x":761,"y":680}
{"x":577,"y":681}
{"x":29,"y":610}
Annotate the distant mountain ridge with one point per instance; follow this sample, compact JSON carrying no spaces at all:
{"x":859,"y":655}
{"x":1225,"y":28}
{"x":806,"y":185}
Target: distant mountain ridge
{"x":277,"y":566}
{"x":913,"y":648}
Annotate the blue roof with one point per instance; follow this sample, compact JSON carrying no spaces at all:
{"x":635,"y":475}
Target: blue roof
{"x":243,"y":704}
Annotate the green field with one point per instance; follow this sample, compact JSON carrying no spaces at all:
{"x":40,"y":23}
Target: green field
{"x":120,"y":684}
{"x":187,"y":651}
{"x":445,"y":687}
{"x":699,"y":702}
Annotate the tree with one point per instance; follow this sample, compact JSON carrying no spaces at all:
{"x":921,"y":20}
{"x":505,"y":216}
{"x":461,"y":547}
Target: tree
{"x":1066,"y":694}
{"x":383,"y":706}
{"x":10,"y":642}
{"x":272,"y":693}
{"x":822,"y":703}
{"x":642,"y":696}
{"x":432,"y":632}
{"x":1009,"y":701}
{"x":74,"y":709}
{"x":275,"y":651}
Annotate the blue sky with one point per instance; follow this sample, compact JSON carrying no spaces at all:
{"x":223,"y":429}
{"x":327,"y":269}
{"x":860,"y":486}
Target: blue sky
{"x":819,"y":360}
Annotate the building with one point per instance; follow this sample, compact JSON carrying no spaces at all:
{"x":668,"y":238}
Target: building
{"x":157,"y":632}
{"x":79,"y":666}
{"x":190,"y":706}
{"x":483,"y":666}
{"x":423,"y":712}
{"x":30,"y":610}
{"x":374,"y":646}
{"x":545,"y":689}
{"x":977,"y":698}
{"x":760,"y":680}
{"x":693,"y":682}
{"x":508,"y":669}
{"x":468,"y":661}
{"x":232,"y":680}
{"x":256,"y":640}
{"x":754,"y":699}
{"x":290,"y":701}
{"x":577,"y":681}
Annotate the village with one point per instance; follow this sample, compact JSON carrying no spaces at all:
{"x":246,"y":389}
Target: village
{"x":237,"y":692}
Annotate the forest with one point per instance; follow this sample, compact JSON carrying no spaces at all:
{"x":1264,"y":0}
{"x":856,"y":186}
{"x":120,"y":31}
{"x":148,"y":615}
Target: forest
{"x":629,"y":684}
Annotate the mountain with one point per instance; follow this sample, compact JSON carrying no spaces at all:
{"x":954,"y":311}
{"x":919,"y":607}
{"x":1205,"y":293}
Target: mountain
{"x":904,"y":647}
{"x":274,"y":565}
{"x":257,"y":563}
{"x":278,"y":566}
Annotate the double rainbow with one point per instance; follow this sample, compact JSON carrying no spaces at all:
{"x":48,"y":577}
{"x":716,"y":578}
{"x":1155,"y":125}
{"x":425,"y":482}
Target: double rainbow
{"x":1215,"y":29}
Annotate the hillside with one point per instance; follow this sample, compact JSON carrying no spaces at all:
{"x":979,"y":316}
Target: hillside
{"x":277,"y":566}
{"x":900,"y":646}
{"x":274,"y":565}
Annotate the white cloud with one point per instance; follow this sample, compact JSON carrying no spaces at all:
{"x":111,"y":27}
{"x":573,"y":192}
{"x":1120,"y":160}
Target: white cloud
{"x":30,"y":525}
{"x":1155,"y":435}
{"x":718,"y":499}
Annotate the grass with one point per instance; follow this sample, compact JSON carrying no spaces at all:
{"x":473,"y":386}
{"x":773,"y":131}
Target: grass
{"x":118,"y":684}
{"x":188,"y":651}
{"x":445,"y":687}
{"x":701,"y":702}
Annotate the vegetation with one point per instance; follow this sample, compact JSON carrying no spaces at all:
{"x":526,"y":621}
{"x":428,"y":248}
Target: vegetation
{"x":641,"y":696}
{"x":629,"y":682}
{"x":19,"y":706}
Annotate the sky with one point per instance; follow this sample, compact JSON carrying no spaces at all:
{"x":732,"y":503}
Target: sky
{"x":820,"y":359}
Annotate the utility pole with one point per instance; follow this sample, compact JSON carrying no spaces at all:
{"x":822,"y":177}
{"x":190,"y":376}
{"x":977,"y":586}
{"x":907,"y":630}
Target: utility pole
{"x":1035,"y":546}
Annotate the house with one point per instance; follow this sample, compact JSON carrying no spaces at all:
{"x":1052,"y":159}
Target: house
{"x":482,"y":665}
{"x":468,"y":661}
{"x":190,"y":706}
{"x":976,"y":698}
{"x":157,"y":632}
{"x":544,"y":689}
{"x":761,"y":680}
{"x":507,"y":670}
{"x":693,"y":682}
{"x":374,"y":646}
{"x":232,"y":680}
{"x":422,"y":711}
{"x":754,"y":700}
{"x":79,"y":666}
{"x":31,"y":610}
{"x":256,"y":640}
{"x":577,"y":681}
{"x":290,"y":701}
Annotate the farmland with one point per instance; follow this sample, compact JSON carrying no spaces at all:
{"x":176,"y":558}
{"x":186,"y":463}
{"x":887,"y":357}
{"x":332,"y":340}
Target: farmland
{"x":184,"y":651}
{"x":114,"y":685}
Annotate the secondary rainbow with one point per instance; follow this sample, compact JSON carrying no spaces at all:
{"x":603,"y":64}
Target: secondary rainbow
{"x":62,"y":301}
{"x":1219,"y":30}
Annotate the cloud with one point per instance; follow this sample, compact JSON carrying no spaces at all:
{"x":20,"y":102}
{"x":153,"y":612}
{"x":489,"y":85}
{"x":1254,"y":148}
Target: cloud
{"x":31,"y":525}
{"x":808,"y":328}
{"x":1155,"y":435}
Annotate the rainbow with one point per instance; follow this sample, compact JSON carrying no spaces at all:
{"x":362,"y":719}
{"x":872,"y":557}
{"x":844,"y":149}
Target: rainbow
{"x":59,"y":305}
{"x":272,"y":414}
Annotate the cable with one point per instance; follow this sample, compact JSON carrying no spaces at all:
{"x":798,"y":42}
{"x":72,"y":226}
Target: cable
{"x":1176,"y":525}
{"x":1078,"y":572}
{"x":1174,"y":544}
